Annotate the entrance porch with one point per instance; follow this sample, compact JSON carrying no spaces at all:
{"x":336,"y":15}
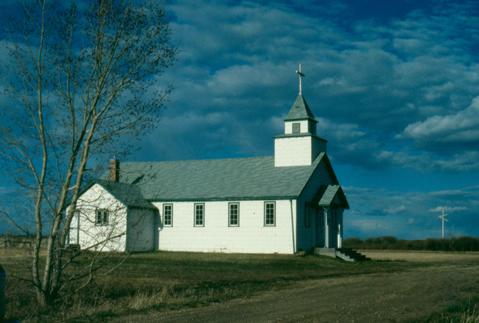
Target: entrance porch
{"x":329,"y":203}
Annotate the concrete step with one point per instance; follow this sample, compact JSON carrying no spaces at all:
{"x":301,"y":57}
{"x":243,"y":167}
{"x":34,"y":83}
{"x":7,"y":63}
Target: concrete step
{"x":357,"y":256}
{"x":346,"y":254}
{"x":329,"y":252}
{"x":344,"y":257}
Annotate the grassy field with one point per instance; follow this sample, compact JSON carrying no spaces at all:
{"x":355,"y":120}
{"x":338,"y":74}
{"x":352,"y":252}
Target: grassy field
{"x":162,"y":282}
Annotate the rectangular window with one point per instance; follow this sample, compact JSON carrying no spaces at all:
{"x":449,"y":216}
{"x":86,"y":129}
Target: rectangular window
{"x":296,"y":127}
{"x":168,"y":215}
{"x":102,"y":216}
{"x":199,"y":215}
{"x":233,"y":214}
{"x":269,"y":214}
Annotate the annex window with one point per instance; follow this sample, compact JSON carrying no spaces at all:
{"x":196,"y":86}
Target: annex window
{"x":168,"y":215}
{"x":296,"y":127}
{"x":269,"y":214}
{"x":199,"y":220}
{"x":102,"y":217}
{"x":233,"y":214}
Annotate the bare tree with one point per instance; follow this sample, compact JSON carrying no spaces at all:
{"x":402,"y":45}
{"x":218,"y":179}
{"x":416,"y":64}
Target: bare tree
{"x":85,"y":82}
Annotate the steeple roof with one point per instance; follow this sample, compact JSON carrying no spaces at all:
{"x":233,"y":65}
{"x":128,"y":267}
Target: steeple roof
{"x":300,"y":110}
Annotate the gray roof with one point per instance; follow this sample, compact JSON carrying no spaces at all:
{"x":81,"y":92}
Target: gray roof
{"x":300,"y":110}
{"x":128,"y":194}
{"x":216,"y":179}
{"x":327,"y":193}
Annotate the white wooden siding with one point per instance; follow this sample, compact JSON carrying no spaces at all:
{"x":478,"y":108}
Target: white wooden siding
{"x":251,"y":236}
{"x":294,"y":151}
{"x":109,"y":237}
{"x":303,"y":128}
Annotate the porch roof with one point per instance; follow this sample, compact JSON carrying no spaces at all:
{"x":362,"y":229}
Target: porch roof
{"x":331,"y":195}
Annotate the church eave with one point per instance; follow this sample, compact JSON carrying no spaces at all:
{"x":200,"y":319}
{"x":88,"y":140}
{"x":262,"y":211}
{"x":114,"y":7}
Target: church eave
{"x":301,"y":119}
{"x":229,"y":198}
{"x":308,"y":134}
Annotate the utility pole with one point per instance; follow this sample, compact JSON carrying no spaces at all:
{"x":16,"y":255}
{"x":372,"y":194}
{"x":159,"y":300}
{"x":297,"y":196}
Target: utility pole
{"x":443,"y":220}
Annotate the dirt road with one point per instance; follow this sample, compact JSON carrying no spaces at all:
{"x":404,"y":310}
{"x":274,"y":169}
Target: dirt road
{"x":390,"y":297}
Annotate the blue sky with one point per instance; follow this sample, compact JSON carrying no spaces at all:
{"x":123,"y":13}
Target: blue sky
{"x":393,"y":84}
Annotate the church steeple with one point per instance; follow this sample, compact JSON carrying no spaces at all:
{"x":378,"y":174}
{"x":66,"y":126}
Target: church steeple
{"x":300,"y":119}
{"x":299,"y":145}
{"x":299,"y":110}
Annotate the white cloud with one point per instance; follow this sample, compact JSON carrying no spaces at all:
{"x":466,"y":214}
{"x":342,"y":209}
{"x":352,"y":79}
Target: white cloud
{"x":339,"y":131}
{"x":237,"y":79}
{"x":449,"y":209}
{"x":462,"y":126}
{"x":396,"y":209}
{"x":467,"y":161}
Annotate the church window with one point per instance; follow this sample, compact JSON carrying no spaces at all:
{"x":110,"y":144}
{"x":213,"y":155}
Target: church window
{"x":102,"y":216}
{"x":296,"y":127}
{"x":233,"y":214}
{"x":269,"y":214}
{"x":199,"y":215}
{"x":168,"y":215}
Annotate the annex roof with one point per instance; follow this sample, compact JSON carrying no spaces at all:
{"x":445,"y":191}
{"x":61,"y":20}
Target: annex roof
{"x":217,"y":179}
{"x":128,"y":194}
{"x":299,"y":110}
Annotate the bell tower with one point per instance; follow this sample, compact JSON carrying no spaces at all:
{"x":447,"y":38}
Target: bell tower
{"x":299,"y":145}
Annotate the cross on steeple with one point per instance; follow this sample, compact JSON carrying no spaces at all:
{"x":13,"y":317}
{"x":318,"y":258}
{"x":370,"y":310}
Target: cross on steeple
{"x":300,"y":77}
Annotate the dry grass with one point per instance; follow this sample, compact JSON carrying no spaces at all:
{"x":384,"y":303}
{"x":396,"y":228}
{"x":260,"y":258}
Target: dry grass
{"x":465,"y":312}
{"x":143,"y":300}
{"x":471,"y":316}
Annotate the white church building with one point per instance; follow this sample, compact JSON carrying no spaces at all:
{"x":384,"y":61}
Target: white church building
{"x":285,"y":203}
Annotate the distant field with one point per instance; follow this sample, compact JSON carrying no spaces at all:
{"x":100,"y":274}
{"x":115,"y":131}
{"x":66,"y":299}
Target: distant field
{"x":154,"y":286}
{"x":392,"y":243}
{"x":422,"y":256}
